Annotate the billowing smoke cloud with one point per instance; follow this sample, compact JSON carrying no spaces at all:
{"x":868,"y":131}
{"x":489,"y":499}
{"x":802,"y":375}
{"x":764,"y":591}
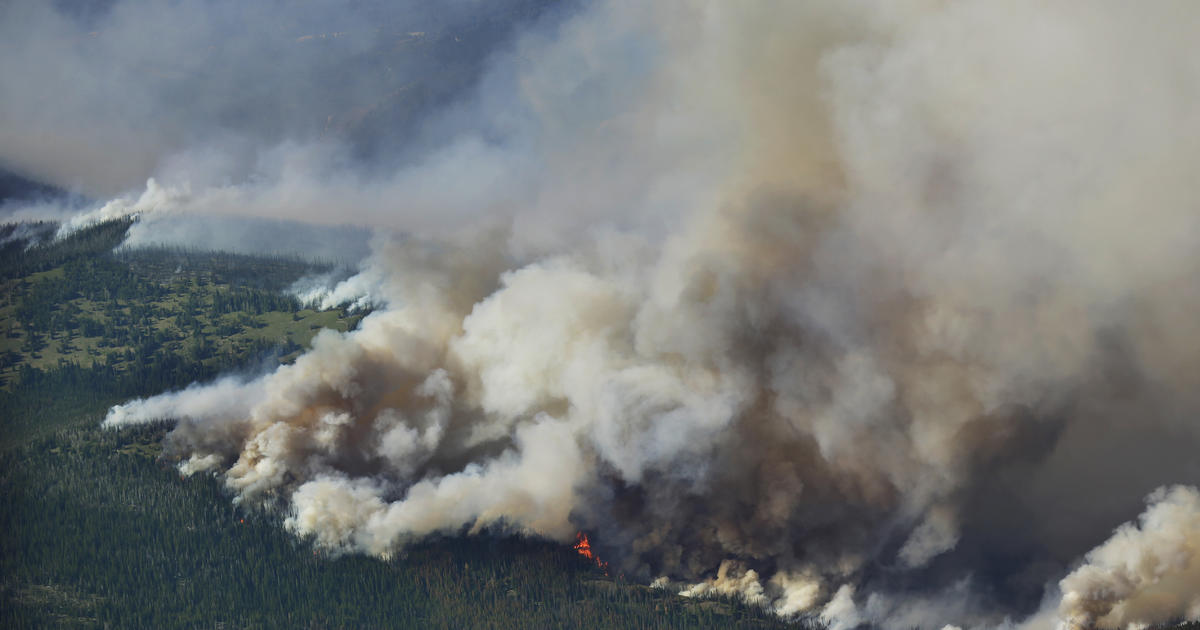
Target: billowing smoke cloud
{"x":1145,"y":573}
{"x":882,"y":312}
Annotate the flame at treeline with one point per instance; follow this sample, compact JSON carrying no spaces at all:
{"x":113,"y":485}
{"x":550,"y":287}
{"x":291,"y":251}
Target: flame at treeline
{"x":584,"y":548}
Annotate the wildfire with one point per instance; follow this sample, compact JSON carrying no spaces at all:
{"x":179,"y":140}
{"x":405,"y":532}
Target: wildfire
{"x":584,"y":548}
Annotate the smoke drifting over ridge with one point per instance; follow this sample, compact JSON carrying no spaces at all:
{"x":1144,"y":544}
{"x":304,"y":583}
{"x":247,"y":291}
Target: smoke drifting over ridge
{"x":885,"y":312}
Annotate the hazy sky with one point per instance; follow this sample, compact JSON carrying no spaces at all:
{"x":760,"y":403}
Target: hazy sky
{"x":99,"y":96}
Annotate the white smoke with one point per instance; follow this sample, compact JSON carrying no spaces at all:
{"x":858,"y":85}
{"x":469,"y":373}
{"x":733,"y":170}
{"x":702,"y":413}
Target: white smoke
{"x":834,"y":305}
{"x":1147,"y":573}
{"x":155,"y":199}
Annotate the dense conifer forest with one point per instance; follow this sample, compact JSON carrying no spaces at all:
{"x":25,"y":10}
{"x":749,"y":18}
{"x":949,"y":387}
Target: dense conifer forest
{"x":97,"y":530}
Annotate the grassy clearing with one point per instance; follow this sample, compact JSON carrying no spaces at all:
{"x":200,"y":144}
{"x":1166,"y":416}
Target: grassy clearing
{"x":193,"y":316}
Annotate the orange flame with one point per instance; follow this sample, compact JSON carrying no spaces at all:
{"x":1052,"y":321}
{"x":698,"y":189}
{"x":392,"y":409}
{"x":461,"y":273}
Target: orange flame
{"x":584,"y":548}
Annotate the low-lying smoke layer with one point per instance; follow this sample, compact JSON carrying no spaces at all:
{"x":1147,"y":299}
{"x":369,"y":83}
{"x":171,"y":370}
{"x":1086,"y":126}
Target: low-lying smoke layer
{"x":881,"y":312}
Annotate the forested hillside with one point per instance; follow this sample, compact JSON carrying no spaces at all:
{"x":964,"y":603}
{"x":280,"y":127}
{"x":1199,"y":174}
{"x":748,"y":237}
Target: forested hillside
{"x":97,"y":530}
{"x":81,"y":326}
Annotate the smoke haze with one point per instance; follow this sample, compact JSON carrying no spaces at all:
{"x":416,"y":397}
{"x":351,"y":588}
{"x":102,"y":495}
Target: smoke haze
{"x":880,"y":312}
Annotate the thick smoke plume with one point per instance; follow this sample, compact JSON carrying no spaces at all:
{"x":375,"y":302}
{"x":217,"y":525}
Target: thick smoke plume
{"x":1145,"y":573}
{"x":881,"y":312}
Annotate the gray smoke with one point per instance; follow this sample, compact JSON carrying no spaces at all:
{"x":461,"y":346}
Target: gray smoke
{"x":99,"y":95}
{"x":883,"y":312}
